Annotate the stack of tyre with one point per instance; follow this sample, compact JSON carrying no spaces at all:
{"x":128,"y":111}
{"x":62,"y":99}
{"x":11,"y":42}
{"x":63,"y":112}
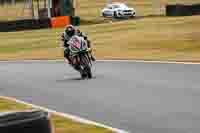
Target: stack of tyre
{"x":25,"y":122}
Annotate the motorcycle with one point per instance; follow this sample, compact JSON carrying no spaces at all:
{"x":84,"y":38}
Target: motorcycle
{"x":80,"y":56}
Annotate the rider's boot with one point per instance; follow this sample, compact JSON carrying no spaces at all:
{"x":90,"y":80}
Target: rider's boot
{"x":66,"y":55}
{"x":69,"y":60}
{"x":92,"y":58}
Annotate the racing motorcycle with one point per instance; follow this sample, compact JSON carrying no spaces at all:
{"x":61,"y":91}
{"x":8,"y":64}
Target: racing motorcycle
{"x":80,"y":56}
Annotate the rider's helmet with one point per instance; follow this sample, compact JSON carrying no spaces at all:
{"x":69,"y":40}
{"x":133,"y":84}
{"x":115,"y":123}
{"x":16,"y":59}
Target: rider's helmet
{"x":81,"y":34}
{"x":78,"y":32}
{"x":84,"y":36}
{"x":70,"y":30}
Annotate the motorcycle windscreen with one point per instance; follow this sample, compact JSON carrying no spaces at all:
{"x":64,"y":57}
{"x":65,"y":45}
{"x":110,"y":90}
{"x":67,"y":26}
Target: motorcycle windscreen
{"x":77,"y":44}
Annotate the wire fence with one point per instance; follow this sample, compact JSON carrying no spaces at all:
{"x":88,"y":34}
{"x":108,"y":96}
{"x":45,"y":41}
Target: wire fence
{"x":86,"y":9}
{"x":20,"y":9}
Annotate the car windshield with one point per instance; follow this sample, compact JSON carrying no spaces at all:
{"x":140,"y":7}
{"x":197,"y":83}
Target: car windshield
{"x":120,"y":6}
{"x":116,"y":6}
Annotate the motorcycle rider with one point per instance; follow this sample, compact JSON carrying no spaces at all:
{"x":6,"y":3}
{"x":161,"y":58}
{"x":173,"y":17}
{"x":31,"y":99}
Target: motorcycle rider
{"x":70,"y":31}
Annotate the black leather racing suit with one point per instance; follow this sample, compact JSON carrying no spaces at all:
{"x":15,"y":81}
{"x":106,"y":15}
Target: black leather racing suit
{"x":65,"y":40}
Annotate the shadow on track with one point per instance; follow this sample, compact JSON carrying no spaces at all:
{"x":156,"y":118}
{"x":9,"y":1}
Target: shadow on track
{"x":74,"y":79}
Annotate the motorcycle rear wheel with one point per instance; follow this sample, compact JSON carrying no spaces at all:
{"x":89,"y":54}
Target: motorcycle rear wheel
{"x":83,"y":75}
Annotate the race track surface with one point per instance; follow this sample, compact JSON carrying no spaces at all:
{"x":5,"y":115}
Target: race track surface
{"x":136,"y":97}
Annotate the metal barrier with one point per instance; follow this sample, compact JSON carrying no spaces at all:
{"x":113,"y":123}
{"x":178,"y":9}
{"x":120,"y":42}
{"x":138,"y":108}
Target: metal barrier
{"x":182,"y":10}
{"x":26,"y":24}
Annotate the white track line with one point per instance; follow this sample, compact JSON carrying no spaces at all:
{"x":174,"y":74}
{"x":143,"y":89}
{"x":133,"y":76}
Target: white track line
{"x":73,"y":117}
{"x":137,"y":61}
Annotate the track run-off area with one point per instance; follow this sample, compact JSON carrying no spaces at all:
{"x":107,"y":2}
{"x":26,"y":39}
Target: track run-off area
{"x":138,"y":97}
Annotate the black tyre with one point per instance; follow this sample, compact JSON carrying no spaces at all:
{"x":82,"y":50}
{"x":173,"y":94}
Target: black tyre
{"x":132,"y":16}
{"x":89,"y":73}
{"x":83,"y":75}
{"x":115,"y":15}
{"x":34,"y":121}
{"x":103,"y":14}
{"x":86,"y":64}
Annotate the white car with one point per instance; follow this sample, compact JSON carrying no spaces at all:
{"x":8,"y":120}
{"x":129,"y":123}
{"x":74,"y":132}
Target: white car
{"x":118,"y":10}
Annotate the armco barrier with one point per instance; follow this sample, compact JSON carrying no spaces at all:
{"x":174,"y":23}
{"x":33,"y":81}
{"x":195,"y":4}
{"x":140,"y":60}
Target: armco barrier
{"x":196,"y":9}
{"x":24,"y":25}
{"x":25,"y":122}
{"x":54,"y":22}
{"x":182,"y":10}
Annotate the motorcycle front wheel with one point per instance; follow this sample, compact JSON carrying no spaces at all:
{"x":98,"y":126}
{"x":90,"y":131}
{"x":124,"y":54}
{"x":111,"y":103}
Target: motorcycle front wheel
{"x":86,"y":64}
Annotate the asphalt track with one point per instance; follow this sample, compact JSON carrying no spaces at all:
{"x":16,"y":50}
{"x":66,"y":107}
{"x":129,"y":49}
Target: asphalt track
{"x":134,"y":96}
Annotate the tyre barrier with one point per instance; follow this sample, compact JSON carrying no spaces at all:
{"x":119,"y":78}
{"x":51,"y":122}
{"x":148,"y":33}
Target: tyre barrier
{"x":182,"y":10}
{"x":25,"y":122}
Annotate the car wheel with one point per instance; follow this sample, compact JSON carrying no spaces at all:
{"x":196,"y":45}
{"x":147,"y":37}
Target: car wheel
{"x":103,"y":14}
{"x":115,"y":15}
{"x":133,"y":16}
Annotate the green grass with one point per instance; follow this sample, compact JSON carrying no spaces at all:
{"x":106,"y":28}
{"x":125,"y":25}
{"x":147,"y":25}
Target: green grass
{"x":6,"y":105}
{"x":149,"y":38}
{"x":62,"y":125}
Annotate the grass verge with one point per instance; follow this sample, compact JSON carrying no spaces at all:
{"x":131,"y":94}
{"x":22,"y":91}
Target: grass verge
{"x":148,"y":38}
{"x":62,"y":125}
